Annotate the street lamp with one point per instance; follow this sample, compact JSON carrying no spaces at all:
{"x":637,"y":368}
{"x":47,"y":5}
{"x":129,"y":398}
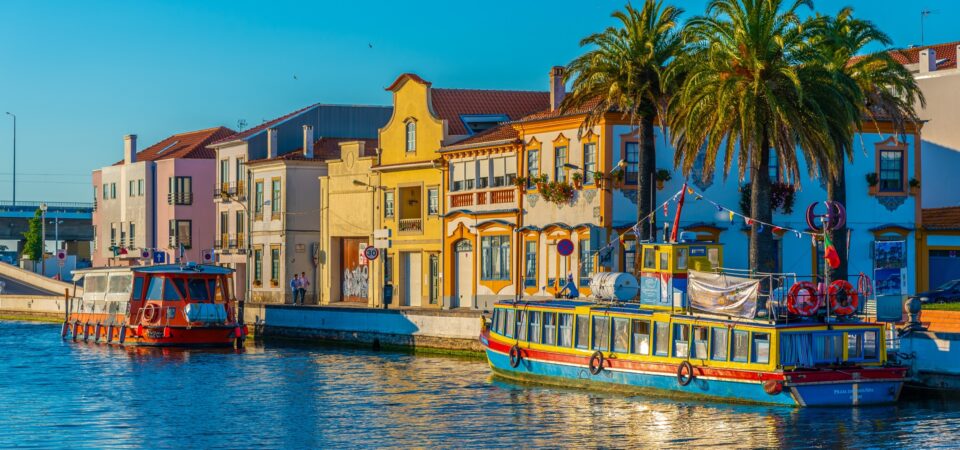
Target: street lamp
{"x":14,"y":156}
{"x":56,"y":233}
{"x":43,"y":239}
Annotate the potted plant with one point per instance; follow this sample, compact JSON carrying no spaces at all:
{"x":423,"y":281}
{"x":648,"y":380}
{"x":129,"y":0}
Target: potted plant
{"x":541,"y":182}
{"x":274,"y":283}
{"x":520,"y":182}
{"x":872,"y":181}
{"x":663,"y":175}
{"x":617,"y":176}
{"x":914,"y":186}
{"x":598,"y":179}
{"x":577,"y":179}
{"x":257,"y":283}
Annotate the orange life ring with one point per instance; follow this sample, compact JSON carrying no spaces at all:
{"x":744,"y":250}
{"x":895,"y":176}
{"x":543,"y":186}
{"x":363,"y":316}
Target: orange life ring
{"x":843,"y":298}
{"x":803,"y":304}
{"x":150,"y":313}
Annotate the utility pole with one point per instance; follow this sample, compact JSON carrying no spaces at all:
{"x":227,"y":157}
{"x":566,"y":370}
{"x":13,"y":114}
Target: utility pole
{"x":923,"y":13}
{"x":43,"y":239}
{"x":14,"y":156}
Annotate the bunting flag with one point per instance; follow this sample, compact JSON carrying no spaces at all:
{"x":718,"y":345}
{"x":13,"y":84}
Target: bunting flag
{"x":719,"y":208}
{"x":690,"y":190}
{"x":759,"y":228}
{"x":731,"y":216}
{"x":666,"y":212}
{"x":777,"y":229}
{"x":747,"y":221}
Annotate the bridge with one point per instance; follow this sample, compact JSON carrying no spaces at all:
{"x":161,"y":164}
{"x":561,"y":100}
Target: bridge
{"x":75,"y":221}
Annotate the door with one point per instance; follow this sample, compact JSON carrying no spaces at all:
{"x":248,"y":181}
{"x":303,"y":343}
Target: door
{"x":410,"y":265}
{"x":354,"y":270}
{"x":464,"y":287}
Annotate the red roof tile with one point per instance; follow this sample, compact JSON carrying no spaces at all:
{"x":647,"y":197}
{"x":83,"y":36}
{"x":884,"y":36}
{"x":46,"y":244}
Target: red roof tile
{"x":548,"y":114}
{"x":941,"y":218}
{"x":499,"y":133}
{"x":191,"y":145}
{"x":324,"y":149}
{"x":251,"y":131}
{"x":451,"y":104}
{"x":946,"y":51}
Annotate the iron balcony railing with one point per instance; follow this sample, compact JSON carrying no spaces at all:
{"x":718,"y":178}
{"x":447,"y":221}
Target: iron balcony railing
{"x":180,"y":198}
{"x":411,"y":225}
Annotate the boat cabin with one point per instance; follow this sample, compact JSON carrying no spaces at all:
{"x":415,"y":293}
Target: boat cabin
{"x":664,"y":268}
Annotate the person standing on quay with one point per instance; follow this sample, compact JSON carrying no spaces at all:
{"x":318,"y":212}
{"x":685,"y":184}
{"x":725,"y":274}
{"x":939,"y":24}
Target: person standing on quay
{"x":304,"y":283}
{"x":295,"y":287}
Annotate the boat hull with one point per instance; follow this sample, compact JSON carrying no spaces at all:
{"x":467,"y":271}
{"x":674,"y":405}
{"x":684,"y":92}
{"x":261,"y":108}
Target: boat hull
{"x":817,"y":388}
{"x":149,"y":336}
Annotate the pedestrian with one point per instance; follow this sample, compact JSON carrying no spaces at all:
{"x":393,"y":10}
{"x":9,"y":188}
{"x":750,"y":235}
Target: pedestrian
{"x":295,"y":287}
{"x":304,"y":284}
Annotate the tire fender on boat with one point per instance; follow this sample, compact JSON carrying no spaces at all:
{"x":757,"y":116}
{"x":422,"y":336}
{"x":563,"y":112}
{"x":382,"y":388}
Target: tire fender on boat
{"x":86,"y":332}
{"x":123,"y":334}
{"x":64,"y":330}
{"x":96,"y":332}
{"x":515,"y":356}
{"x":596,"y":363}
{"x":772,"y":387}
{"x":682,"y":379}
{"x":110,"y":333}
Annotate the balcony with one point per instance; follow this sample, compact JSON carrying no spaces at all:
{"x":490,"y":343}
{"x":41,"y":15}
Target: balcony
{"x":180,"y":198}
{"x":411,"y":225}
{"x":241,"y":242}
{"x":241,"y":191}
{"x":482,"y":198}
{"x":217,"y":244}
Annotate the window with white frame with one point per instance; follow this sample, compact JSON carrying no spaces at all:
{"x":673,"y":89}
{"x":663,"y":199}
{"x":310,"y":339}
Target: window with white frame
{"x":433,"y":201}
{"x":483,"y":173}
{"x":533,"y":166}
{"x":470,"y":175}
{"x":891,"y":170}
{"x":499,"y":172}
{"x":589,"y":162}
{"x":411,"y":135}
{"x":559,"y":159}
{"x":632,"y":157}
{"x":456,"y":176}
{"x":510,"y":169}
{"x":388,"y":204}
{"x":495,"y":257}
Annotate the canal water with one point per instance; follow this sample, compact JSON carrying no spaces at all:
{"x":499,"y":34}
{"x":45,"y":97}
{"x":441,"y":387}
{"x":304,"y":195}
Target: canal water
{"x":58,"y":394}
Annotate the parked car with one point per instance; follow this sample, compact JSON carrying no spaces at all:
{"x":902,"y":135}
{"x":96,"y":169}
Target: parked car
{"x":946,"y":292}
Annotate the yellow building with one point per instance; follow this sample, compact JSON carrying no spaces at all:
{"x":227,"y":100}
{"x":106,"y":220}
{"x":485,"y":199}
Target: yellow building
{"x":412,"y":185}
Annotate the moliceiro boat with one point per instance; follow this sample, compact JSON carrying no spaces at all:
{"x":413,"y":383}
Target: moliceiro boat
{"x":173,"y":305}
{"x":703,"y":332}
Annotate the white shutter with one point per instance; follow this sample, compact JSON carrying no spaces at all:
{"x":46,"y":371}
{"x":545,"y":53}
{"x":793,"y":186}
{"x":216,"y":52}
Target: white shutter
{"x":484,"y":179}
{"x":511,"y":163}
{"x":457,"y":173}
{"x":471,"y":174}
{"x":498,"y":167}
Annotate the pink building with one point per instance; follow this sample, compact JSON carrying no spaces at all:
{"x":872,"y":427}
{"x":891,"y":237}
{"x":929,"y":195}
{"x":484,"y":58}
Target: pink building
{"x":148,"y":201}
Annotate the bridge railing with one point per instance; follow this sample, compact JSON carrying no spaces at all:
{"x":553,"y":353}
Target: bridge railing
{"x":51,"y":206}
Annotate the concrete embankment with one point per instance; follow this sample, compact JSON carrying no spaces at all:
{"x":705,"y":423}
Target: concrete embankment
{"x":32,"y":307}
{"x":451,"y":331}
{"x":933,"y":355}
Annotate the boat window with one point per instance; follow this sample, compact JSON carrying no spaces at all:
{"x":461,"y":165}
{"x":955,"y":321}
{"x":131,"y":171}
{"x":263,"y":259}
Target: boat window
{"x":601,"y":333}
{"x":828,"y":348}
{"x":534,"y":329}
{"x":583,"y":331}
{"x":522,"y":326}
{"x":95,"y":284}
{"x":795,"y":349}
{"x":494,"y":324}
{"x":138,"y":288}
{"x":681,"y":259}
{"x":120,"y":284}
{"x":621,"y":335}
{"x":155,"y":292}
{"x":566,"y":330}
{"x":713,"y":255}
{"x":681,"y":340}
{"x":641,"y":337}
{"x":700,"y":341}
{"x":169,"y":292}
{"x":212,"y":284}
{"x":661,"y":338}
{"x":501,"y":319}
{"x":664,"y":260}
{"x":511,"y":314}
{"x":741,"y":345}
{"x":198,"y":289}
{"x":870,"y":345}
{"x":719,"y":336}
{"x":226,"y":288}
{"x":550,"y":328}
{"x":761,"y":348}
{"x":648,"y":259}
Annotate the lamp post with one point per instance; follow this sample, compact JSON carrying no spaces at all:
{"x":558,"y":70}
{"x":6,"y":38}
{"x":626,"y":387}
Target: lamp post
{"x":56,"y":233}
{"x":14,"y":156}
{"x":43,"y":239}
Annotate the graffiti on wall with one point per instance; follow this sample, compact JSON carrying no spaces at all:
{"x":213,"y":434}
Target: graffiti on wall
{"x":355,"y":282}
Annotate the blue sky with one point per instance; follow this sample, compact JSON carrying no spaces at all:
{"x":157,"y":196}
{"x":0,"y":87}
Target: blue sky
{"x":80,"y":75}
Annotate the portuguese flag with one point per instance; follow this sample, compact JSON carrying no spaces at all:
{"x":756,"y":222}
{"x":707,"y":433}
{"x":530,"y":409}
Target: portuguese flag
{"x":830,"y":252}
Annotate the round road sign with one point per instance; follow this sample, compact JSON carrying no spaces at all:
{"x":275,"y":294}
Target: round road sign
{"x":565,"y":247}
{"x":371,"y":253}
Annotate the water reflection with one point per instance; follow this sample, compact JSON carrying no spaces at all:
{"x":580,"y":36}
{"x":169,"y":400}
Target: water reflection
{"x":59,"y":394}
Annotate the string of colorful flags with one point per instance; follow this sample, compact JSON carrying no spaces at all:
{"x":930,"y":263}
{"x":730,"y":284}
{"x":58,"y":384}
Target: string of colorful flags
{"x":748,"y":221}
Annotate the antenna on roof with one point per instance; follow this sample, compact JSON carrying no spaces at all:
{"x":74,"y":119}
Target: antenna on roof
{"x":924,"y":13}
{"x":241,"y":124}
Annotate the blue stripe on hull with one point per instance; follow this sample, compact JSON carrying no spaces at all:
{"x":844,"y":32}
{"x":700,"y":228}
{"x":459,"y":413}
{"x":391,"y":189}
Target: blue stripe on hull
{"x":750,"y":392}
{"x":842,"y":394}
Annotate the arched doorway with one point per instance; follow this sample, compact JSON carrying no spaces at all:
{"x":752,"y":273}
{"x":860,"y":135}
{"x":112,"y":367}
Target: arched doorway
{"x":463,"y":290}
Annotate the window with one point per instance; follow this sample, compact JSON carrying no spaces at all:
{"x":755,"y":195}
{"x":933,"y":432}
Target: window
{"x":388,"y":204}
{"x":741,"y":345}
{"x":140,"y":187}
{"x":224,"y":225}
{"x":601,"y":333}
{"x":681,"y":259}
{"x":258,"y":266}
{"x":649,"y":259}
{"x":106,"y":191}
{"x":891,"y":171}
{"x":498,"y":316}
{"x":870,"y":345}
{"x":433,"y":201}
{"x":534,"y":330}
{"x":224,"y":171}
{"x":241,"y":172}
{"x":641,"y":337}
{"x":240,"y":226}
{"x":132,"y":188}
{"x":589,"y":162}
{"x":500,"y":172}
{"x":629,"y":255}
{"x":828,"y":347}
{"x":661,"y":339}
{"x":549,"y":328}
{"x":632,"y":157}
{"x":181,"y":233}
{"x":169,"y":291}
{"x":132,"y":235}
{"x":533,"y":167}
{"x":621,"y":335}
{"x":664,"y":261}
{"x":138,"y":288}
{"x":275,"y":264}
{"x":483,"y":174}
{"x":181,"y":191}
{"x":434,"y":278}
{"x":559,"y":159}
{"x":198,"y":289}
{"x":719,"y":344}
{"x":700,"y":343}
{"x":565,"y":322}
{"x":113,"y":190}
{"x":586,"y":262}
{"x":681,"y":340}
{"x":583,"y":331}
{"x":275,"y":203}
{"x":411,"y":135}
{"x":761,"y":348}
{"x":457,"y":172}
{"x":854,"y":346}
{"x":522,"y":325}
{"x":387,"y":269}
{"x":113,"y":234}
{"x":495,"y":257}
{"x":155,"y":291}
{"x":511,"y":317}
{"x":510,"y":169}
{"x":258,"y":200}
{"x":530,"y":269}
{"x":469,"y":174}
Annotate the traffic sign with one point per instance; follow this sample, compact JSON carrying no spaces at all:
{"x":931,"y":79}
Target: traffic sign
{"x":146,"y":253}
{"x":61,"y":255}
{"x":371,"y":253}
{"x":382,"y":233}
{"x":159,"y":257}
{"x":207,"y":256}
{"x":565,"y":247}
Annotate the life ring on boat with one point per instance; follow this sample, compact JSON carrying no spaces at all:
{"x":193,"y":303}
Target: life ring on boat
{"x":596,"y":363}
{"x":865,"y":285}
{"x":803,"y":304}
{"x":772,"y":387}
{"x":684,"y":367}
{"x":149,"y":313}
{"x":515,"y":356}
{"x":843,"y":298}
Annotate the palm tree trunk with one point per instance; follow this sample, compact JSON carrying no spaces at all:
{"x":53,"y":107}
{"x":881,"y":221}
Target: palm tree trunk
{"x":837,"y":192}
{"x":646,"y":167}
{"x":762,"y":245}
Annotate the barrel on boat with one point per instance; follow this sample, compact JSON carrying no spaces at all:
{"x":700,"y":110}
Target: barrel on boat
{"x":615,"y":286}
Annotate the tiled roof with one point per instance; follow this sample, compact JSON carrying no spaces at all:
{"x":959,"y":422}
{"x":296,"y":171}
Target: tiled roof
{"x":451,"y":104}
{"x":250,"y":132}
{"x":499,"y":133}
{"x":192,"y":145}
{"x":947,"y":51}
{"x":548,"y":114}
{"x":324,"y":149}
{"x":941,"y":218}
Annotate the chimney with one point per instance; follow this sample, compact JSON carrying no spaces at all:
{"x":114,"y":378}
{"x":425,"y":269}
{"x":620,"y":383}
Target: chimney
{"x":928,"y":60}
{"x":308,"y":141}
{"x":557,"y":88}
{"x":271,"y":143}
{"x":130,"y":149}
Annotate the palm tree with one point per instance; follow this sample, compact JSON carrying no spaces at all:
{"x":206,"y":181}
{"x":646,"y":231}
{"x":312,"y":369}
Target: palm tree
{"x":751,"y":88}
{"x":623,"y":72}
{"x":879,"y":90}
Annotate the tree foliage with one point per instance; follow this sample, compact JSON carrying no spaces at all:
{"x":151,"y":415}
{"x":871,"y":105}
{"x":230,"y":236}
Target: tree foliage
{"x":33,"y":248}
